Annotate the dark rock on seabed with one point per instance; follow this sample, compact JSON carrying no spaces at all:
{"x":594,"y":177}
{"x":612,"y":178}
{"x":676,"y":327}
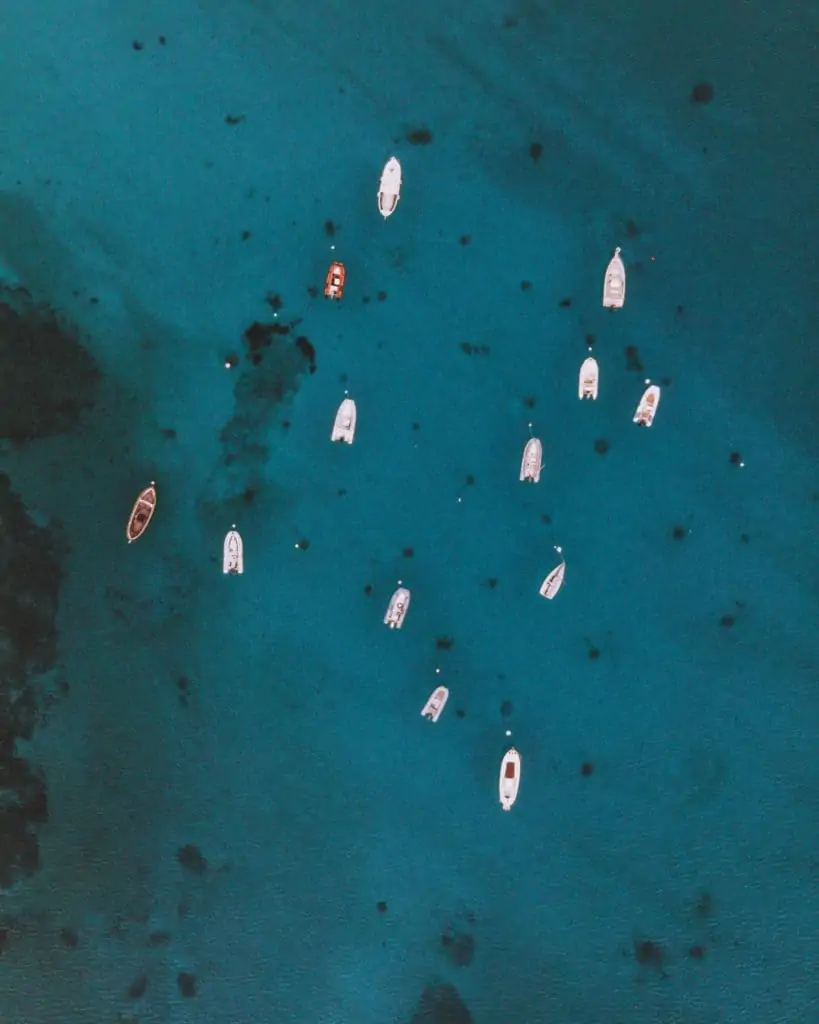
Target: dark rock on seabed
{"x":440,"y":1003}
{"x":47,"y":379}
{"x":29,"y":588}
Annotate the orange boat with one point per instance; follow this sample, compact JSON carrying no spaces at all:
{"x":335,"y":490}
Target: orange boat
{"x":141,"y":513}
{"x":334,"y":282}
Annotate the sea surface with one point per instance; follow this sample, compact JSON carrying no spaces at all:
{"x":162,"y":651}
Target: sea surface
{"x":248,"y":820}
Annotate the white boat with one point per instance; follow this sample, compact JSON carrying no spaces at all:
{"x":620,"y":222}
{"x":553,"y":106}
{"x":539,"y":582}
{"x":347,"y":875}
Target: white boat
{"x":530,"y":464}
{"x":647,"y":406}
{"x":614,"y":283}
{"x":397,"y":608}
{"x":435,"y":705}
{"x":344,"y":425}
{"x":233,"y":553}
{"x":588,"y":379}
{"x":509,"y":781}
{"x":389,"y":188}
{"x":553,"y":582}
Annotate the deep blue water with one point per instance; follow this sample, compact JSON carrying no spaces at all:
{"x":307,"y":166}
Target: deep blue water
{"x":271,"y":720}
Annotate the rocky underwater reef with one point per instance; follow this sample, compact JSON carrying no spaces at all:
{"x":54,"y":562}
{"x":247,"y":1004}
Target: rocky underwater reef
{"x":47,"y":379}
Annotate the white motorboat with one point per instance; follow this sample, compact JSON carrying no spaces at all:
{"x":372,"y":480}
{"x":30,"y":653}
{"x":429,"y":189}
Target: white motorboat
{"x":614,"y":283}
{"x":530,"y":464}
{"x":647,"y":406}
{"x":397,"y":608}
{"x":389,"y":188}
{"x":553,"y":582}
{"x":233,"y":553}
{"x":588,"y":379}
{"x":435,"y":705}
{"x":344,"y":425}
{"x":509,"y":781}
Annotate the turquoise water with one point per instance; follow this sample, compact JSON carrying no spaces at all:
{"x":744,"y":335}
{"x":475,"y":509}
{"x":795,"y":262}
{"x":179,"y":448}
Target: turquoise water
{"x":248,"y":820}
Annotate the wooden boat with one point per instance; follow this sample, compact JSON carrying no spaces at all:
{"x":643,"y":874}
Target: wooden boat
{"x":530,"y":464}
{"x":389,"y":188}
{"x":334,"y":282}
{"x":553,"y":582}
{"x":614,"y":283}
{"x":588,"y":379}
{"x":435,"y":705}
{"x":647,"y":406}
{"x":397,"y":608}
{"x":233,"y":553}
{"x":344,"y":425}
{"x":141,"y":513}
{"x":509,"y":781}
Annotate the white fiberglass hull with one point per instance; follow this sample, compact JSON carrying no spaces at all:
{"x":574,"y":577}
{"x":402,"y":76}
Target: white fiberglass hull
{"x":509,"y":781}
{"x":233,"y":554}
{"x":647,"y":406}
{"x":345,"y":422}
{"x":553,"y":582}
{"x":435,"y":705}
{"x":397,"y":608}
{"x":389,"y":188}
{"x":614,"y":283}
{"x":530,"y":464}
{"x":588,"y":379}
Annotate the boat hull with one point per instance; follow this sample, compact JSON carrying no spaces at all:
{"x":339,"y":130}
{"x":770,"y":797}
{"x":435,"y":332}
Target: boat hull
{"x":553,"y":582}
{"x":334,"y":281}
{"x":233,"y":554}
{"x":530,"y":464}
{"x":397,"y":608}
{"x":345,"y":422}
{"x":614,"y":283}
{"x":509,"y":780}
{"x":588,"y":379}
{"x":389,"y":188}
{"x":435,"y":705}
{"x":141,"y":514}
{"x":647,"y":406}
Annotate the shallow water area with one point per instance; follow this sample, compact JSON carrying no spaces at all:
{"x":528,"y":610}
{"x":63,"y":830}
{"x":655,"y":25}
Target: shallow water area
{"x":248,"y":818}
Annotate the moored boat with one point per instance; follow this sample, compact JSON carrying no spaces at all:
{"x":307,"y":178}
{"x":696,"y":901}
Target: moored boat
{"x":509,"y":781}
{"x":389,"y":188}
{"x":553,"y":582}
{"x":647,"y":406}
{"x":435,"y":705}
{"x":141,"y":513}
{"x":345,"y":422}
{"x":614,"y":282}
{"x":233,"y":553}
{"x":334,"y":282}
{"x":397,"y":608}
{"x":588,"y":379}
{"x":530,"y":464}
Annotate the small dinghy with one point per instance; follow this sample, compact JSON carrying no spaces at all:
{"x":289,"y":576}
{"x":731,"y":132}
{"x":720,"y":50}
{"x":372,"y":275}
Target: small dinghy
{"x":509,"y":781}
{"x":647,"y":406}
{"x":233,"y":553}
{"x":588,"y":379}
{"x":614,"y":283}
{"x":530,"y":464}
{"x":553,"y":582}
{"x":397,"y":608}
{"x":141,"y":513}
{"x":435,"y":705}
{"x":344,"y":426}
{"x":389,"y":188}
